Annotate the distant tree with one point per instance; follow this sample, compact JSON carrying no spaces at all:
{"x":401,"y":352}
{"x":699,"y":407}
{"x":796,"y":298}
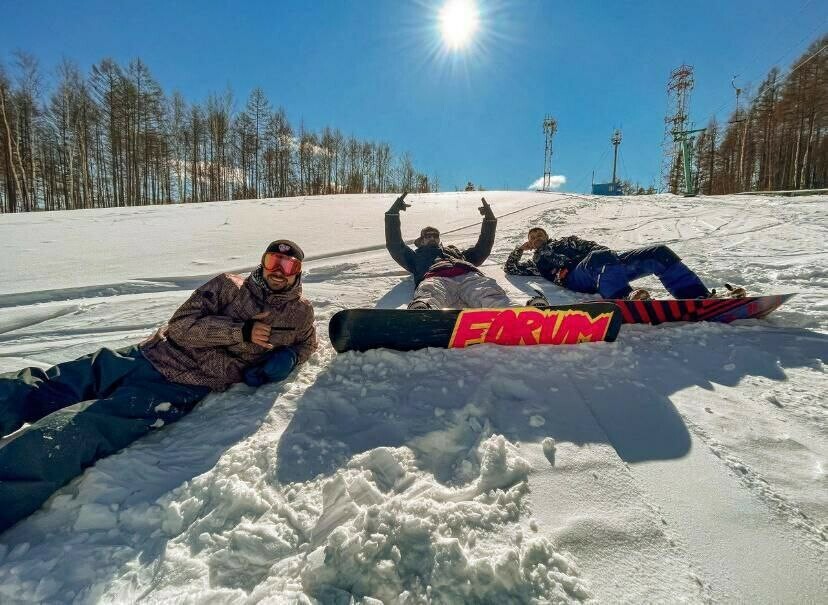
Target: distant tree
{"x":115,"y":139}
{"x":781,"y":140}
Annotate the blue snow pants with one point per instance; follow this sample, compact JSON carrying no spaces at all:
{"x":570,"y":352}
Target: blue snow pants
{"x":79,"y":412}
{"x":610,"y":274}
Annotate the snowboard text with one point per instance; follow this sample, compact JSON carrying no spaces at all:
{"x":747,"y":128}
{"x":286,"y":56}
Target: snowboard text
{"x":528,"y":327}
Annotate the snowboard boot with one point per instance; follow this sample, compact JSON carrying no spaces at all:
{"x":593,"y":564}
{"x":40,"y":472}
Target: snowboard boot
{"x":416,"y":305}
{"x":732,"y":292}
{"x":539,"y":301}
{"x":639,"y":294}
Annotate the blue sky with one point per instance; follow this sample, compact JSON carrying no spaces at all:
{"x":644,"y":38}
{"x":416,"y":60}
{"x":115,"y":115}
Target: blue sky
{"x":377,"y":69}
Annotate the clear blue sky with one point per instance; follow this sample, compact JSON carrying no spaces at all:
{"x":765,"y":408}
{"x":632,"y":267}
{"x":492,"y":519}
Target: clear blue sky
{"x":376,"y":69}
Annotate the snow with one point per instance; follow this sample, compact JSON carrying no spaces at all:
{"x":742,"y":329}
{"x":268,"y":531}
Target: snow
{"x":682,"y":463}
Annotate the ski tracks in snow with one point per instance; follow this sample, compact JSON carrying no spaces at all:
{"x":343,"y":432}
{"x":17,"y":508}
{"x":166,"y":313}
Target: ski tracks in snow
{"x":680,"y":463}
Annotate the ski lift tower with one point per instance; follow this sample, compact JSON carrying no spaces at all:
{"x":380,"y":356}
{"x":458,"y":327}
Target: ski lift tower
{"x":684,"y":139}
{"x":550,"y":127}
{"x":678,"y":130}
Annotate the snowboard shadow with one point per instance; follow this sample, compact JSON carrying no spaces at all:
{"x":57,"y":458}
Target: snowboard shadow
{"x":556,"y":295}
{"x":398,"y":296}
{"x":442,"y":403}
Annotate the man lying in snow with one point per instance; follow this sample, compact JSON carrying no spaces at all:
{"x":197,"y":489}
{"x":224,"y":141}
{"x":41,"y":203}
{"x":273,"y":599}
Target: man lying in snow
{"x":585,"y":266}
{"x":230,"y":330}
{"x":445,"y":276}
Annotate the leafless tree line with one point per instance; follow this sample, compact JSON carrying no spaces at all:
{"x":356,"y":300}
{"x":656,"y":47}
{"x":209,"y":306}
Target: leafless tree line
{"x":113,"y":138}
{"x":779,"y":141}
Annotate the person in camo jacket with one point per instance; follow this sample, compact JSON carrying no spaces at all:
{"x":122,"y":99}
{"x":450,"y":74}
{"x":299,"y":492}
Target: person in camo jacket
{"x":230,"y":330}
{"x":585,"y":266}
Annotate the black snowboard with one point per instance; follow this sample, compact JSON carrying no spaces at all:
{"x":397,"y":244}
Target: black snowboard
{"x":403,"y":330}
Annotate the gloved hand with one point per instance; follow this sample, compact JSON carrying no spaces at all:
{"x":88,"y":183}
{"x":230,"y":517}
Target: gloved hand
{"x":399,"y":204}
{"x":274,"y":368}
{"x":486,"y":210}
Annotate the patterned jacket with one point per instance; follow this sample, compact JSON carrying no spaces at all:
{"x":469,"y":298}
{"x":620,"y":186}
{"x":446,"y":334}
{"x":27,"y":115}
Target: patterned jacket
{"x":435,"y":258}
{"x":554,"y":260}
{"x":202,"y":343}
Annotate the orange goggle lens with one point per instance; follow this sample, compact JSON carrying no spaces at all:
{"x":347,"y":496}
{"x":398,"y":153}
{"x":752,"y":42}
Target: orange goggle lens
{"x":288,"y":264}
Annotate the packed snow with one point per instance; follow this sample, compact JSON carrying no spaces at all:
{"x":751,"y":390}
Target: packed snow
{"x":681,"y":463}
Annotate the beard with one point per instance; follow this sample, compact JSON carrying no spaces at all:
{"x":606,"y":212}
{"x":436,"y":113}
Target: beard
{"x":277,"y":283}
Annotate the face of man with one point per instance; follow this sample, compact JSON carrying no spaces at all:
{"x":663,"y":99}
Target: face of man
{"x":277,"y":280}
{"x":537,"y":238}
{"x":430,"y":238}
{"x":280,"y":271}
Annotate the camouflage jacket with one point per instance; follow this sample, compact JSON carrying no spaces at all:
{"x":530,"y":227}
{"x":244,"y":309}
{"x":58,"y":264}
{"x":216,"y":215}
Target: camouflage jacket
{"x":202,"y":343}
{"x":554,"y":260}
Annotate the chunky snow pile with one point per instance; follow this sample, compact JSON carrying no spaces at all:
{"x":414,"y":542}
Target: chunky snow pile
{"x":682,"y":463}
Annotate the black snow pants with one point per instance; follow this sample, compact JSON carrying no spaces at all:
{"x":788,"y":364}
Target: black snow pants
{"x":79,"y":412}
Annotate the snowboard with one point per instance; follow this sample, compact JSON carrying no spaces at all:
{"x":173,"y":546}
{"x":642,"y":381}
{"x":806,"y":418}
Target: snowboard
{"x":408,"y":330}
{"x":725,"y":310}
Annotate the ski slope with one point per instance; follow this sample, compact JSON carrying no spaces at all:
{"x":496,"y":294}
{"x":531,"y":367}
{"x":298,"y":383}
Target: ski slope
{"x":682,"y":463}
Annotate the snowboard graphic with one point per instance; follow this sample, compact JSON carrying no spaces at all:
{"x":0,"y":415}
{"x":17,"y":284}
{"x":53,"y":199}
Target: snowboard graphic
{"x":403,"y":330}
{"x":710,"y":309}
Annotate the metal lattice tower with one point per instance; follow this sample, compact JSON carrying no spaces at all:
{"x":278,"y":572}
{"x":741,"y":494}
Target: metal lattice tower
{"x":678,"y":107}
{"x":550,"y":127}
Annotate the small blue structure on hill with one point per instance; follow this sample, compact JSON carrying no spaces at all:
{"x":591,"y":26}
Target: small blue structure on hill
{"x":606,"y":189}
{"x":614,"y":187}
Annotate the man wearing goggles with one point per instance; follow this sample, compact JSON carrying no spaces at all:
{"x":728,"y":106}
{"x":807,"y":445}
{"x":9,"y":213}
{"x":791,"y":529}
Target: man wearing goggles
{"x":445,"y":276}
{"x":231,"y":329}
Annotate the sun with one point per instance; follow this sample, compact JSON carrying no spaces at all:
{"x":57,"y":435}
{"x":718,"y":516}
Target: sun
{"x":458,"y":21}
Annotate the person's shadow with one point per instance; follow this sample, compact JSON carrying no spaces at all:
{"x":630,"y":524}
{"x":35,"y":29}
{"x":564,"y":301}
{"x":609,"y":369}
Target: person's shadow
{"x":441,"y":403}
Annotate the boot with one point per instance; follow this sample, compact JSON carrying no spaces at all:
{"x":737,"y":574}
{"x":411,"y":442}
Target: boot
{"x":417,"y":305}
{"x":639,"y":294}
{"x":539,"y":301}
{"x":732,"y":292}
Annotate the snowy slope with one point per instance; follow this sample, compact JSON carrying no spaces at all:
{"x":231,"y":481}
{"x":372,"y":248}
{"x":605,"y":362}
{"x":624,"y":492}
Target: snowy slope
{"x":682,"y":463}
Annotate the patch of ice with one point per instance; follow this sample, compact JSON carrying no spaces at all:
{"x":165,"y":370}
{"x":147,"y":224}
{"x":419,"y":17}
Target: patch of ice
{"x":96,"y":516}
{"x":536,"y":420}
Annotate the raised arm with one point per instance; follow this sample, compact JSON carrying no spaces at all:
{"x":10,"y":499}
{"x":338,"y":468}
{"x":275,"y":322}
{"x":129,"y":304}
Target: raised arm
{"x":481,"y":250}
{"x":393,"y":235}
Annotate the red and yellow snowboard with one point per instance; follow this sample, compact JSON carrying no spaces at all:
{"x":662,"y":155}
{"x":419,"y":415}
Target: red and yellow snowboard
{"x":656,"y":311}
{"x":403,"y":330}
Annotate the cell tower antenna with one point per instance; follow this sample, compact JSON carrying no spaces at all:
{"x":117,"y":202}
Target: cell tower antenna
{"x":550,"y":127}
{"x":616,"y":141}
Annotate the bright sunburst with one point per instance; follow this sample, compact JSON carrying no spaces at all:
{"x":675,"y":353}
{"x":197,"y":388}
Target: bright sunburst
{"x":458,"y":22}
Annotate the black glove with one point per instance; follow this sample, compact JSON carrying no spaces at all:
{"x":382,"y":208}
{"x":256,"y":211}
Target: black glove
{"x":399,"y":204}
{"x":486,"y":210}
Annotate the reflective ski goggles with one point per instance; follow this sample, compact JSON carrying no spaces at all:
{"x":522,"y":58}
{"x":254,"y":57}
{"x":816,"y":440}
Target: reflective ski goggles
{"x":288,"y":264}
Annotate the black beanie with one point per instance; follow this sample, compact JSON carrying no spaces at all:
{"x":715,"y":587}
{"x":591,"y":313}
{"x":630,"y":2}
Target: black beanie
{"x":285,"y":246}
{"x":419,"y":241}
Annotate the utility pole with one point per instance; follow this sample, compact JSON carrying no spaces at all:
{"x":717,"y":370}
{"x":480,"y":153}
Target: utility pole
{"x":616,"y":141}
{"x":736,"y":119}
{"x":550,"y":127}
